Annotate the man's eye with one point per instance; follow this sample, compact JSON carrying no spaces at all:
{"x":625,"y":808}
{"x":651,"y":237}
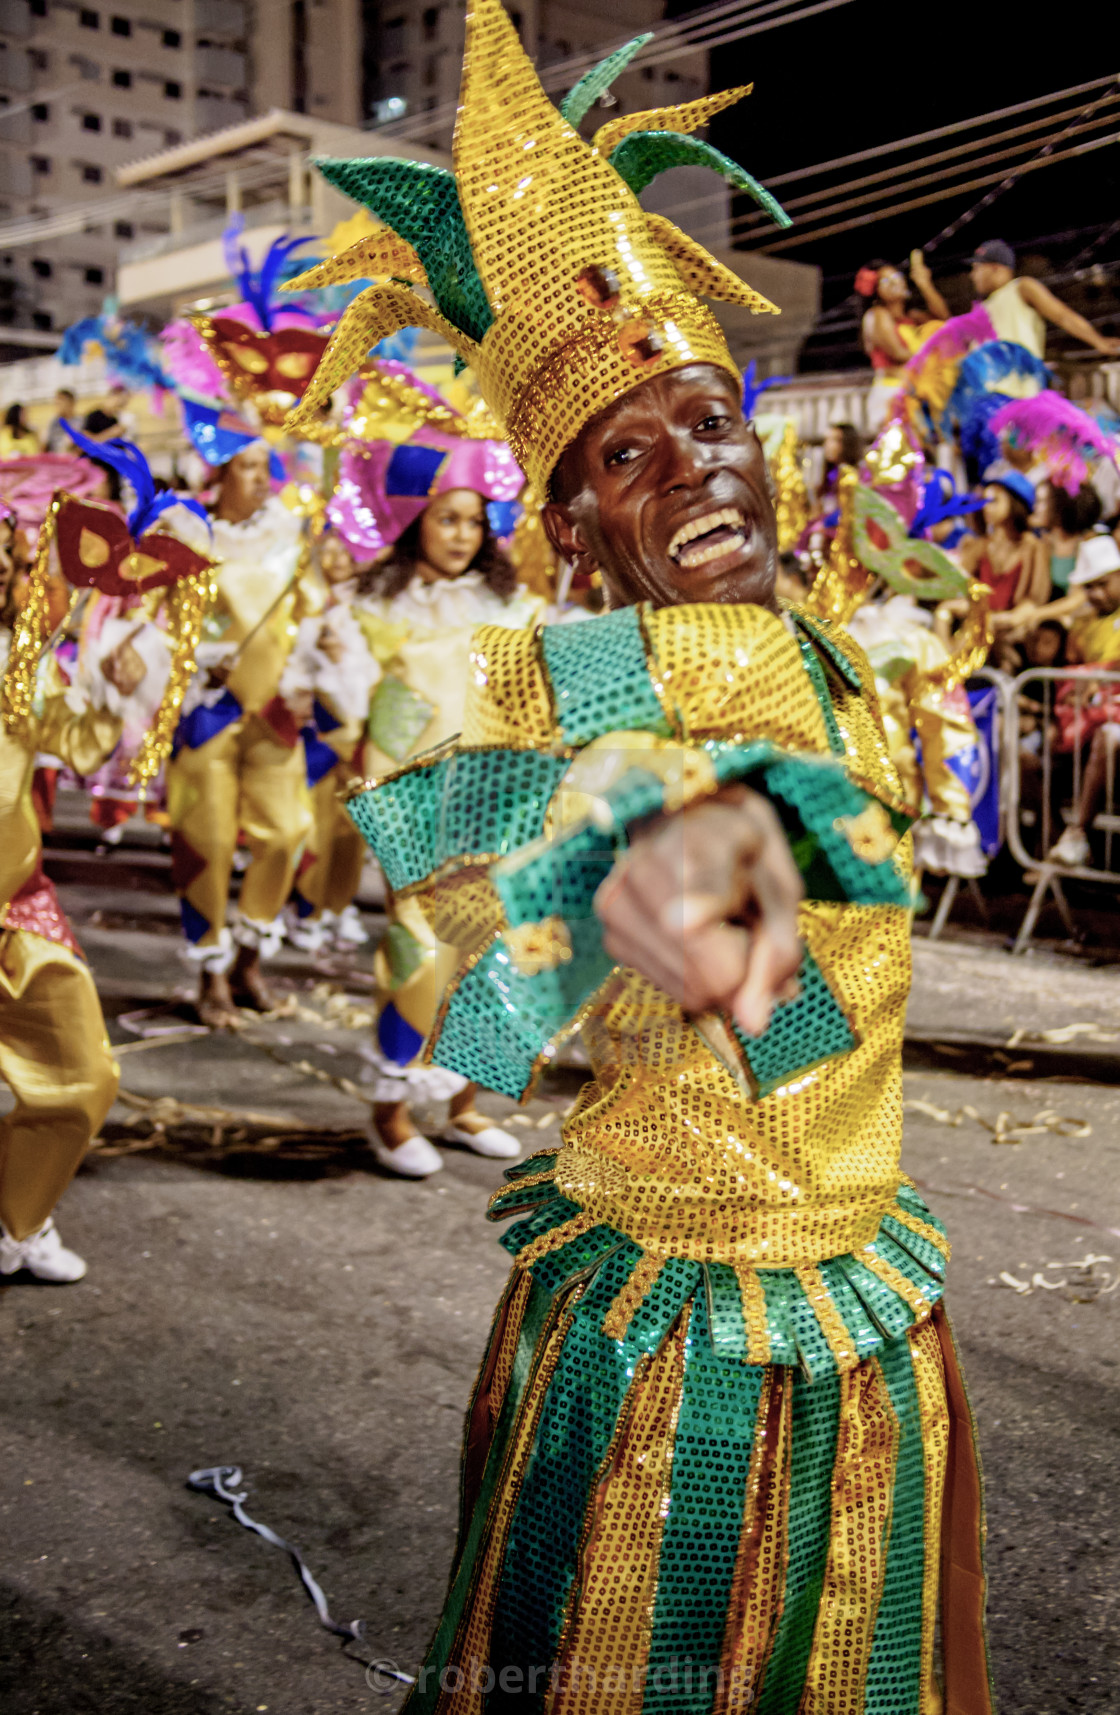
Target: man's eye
{"x":715,"y":422}
{"x":621,"y":455}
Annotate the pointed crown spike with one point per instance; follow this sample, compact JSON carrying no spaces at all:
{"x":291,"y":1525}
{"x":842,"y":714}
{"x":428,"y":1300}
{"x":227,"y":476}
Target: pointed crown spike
{"x":548,"y":276}
{"x":582,"y":97}
{"x":684,"y":116}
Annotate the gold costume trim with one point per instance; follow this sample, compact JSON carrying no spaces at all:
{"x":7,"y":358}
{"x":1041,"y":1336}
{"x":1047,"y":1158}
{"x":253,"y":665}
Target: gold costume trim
{"x":859,"y":1538}
{"x":896,"y":1280}
{"x":604,"y":1648}
{"x":922,"y":1228}
{"x":620,"y":1313}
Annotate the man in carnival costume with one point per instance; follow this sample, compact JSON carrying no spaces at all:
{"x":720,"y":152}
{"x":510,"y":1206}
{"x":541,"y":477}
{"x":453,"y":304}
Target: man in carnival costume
{"x":718,"y":1456}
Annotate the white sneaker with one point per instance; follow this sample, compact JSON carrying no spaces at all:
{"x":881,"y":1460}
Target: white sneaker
{"x":348,"y":929}
{"x":1072,"y":849}
{"x":43,"y":1254}
{"x":415,"y":1158}
{"x":501,"y":1145}
{"x":306,"y":933}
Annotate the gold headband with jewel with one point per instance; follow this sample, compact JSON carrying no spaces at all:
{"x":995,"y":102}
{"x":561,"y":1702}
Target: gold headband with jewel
{"x":547,"y":275}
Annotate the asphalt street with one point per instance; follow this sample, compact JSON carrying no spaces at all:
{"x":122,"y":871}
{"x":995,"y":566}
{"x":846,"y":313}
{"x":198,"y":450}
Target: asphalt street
{"x":260,"y":1294}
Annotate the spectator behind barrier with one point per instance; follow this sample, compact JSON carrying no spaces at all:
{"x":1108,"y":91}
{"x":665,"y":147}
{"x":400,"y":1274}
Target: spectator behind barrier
{"x":1087,"y":710}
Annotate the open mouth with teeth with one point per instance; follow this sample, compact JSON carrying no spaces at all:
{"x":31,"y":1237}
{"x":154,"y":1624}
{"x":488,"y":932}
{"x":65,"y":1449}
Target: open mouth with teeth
{"x":712,"y":537}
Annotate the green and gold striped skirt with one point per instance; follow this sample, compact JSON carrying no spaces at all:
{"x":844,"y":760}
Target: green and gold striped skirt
{"x":694,"y":1490}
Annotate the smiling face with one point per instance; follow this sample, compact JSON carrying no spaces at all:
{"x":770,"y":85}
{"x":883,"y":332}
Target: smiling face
{"x":451,"y":533}
{"x":892,"y":288}
{"x":666,"y":494}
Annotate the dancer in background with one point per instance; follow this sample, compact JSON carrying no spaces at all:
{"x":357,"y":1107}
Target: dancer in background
{"x":332,"y":661}
{"x":443,"y":576}
{"x":1020,"y":307}
{"x":890,"y":332}
{"x":54,"y":1053}
{"x":239,"y":765}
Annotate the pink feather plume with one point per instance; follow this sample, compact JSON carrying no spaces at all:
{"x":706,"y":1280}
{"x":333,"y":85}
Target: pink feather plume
{"x":1057,"y":431}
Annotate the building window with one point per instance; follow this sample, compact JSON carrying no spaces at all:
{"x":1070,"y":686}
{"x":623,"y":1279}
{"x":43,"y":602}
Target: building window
{"x":431,"y":71}
{"x":122,"y":229}
{"x":170,"y":138}
{"x":122,"y":127}
{"x":172,"y":90}
{"x":91,"y":121}
{"x":122,"y":79}
{"x":38,"y":8}
{"x":40,"y":112}
{"x":42,"y":320}
{"x":39,"y":58}
{"x":40,"y":164}
{"x":89,"y":20}
{"x":90,"y":174}
{"x":121,"y":26}
{"x":172,"y":39}
{"x":95,"y":276}
{"x":431,"y":23}
{"x":42,"y":268}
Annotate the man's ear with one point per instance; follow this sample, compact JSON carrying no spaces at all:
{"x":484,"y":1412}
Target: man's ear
{"x":562,"y":530}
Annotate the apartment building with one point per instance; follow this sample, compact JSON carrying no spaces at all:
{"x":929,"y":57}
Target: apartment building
{"x":85,"y":89}
{"x":414,"y":55}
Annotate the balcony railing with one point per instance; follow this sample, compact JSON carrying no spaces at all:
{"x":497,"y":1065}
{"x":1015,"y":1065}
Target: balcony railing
{"x":840,"y":396}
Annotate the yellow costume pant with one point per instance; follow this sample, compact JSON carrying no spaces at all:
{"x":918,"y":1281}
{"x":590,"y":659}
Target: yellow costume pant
{"x":336,"y":849}
{"x":56,"y":1059}
{"x":241,"y":780}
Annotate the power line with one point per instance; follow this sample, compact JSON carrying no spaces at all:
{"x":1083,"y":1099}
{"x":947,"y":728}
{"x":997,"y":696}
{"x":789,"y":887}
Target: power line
{"x":771,"y":249}
{"x":885,"y":174}
{"x":864,"y":202}
{"x":920,"y":137}
{"x":732,"y":21}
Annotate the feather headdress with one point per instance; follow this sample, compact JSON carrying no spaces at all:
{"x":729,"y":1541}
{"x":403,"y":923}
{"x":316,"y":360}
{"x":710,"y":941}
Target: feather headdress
{"x":264,"y":346}
{"x":97,"y":549}
{"x":1057,"y":431}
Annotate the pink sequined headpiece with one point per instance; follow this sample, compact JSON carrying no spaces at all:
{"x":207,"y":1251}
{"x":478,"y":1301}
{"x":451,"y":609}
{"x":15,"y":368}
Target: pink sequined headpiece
{"x":384,"y":486}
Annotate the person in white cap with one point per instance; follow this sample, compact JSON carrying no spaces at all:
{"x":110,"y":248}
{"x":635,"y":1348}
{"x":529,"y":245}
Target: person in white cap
{"x":1094,"y":640}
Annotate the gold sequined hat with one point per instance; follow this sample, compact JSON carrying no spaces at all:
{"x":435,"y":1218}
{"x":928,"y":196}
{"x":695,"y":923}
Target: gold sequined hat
{"x":547,"y":275}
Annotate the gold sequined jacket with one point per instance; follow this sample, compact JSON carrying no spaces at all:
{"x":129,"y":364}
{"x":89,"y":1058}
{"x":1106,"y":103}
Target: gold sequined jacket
{"x":663,"y":1145}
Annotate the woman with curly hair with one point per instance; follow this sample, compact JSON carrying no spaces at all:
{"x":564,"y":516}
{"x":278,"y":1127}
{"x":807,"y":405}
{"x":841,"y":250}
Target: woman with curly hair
{"x":419,"y":604}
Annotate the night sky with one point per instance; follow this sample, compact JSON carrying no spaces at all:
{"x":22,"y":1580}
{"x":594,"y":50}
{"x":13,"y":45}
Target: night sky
{"x":865,"y":74}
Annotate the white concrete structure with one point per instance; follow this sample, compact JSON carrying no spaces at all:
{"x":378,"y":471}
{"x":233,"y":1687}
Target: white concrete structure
{"x":86,"y":88}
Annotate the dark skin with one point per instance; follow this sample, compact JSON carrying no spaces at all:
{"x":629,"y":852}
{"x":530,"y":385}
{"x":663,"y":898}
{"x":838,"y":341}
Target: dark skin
{"x":704,"y":902}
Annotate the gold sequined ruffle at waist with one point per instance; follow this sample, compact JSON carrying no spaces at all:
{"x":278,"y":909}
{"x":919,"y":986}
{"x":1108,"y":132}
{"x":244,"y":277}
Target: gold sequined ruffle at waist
{"x":720,"y":1216}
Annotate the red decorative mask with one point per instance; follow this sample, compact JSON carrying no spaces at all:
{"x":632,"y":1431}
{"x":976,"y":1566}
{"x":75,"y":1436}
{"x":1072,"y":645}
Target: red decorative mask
{"x":282,"y":361}
{"x":96,"y":550}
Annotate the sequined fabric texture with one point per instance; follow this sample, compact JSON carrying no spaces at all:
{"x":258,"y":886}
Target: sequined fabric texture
{"x":691,"y":1490}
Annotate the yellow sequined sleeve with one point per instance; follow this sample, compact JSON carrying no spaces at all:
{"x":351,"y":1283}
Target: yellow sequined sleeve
{"x":82,"y":740}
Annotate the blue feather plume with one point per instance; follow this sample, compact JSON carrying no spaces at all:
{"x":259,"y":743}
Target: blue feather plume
{"x":258,"y":286}
{"x":752,"y":387}
{"x":129,"y":462}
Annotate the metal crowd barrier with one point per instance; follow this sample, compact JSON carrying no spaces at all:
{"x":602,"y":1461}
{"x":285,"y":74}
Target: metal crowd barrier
{"x":1056,"y":777}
